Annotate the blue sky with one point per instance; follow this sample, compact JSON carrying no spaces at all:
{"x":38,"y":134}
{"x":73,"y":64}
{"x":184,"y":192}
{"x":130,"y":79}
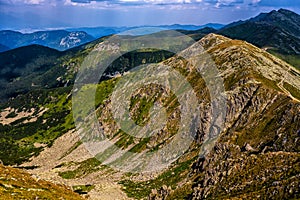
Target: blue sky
{"x":39,"y":14}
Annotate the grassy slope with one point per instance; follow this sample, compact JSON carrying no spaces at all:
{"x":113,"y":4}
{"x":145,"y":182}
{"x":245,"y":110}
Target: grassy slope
{"x":17,"y":184}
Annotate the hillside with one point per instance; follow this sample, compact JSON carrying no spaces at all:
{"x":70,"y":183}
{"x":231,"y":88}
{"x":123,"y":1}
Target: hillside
{"x":35,"y":98}
{"x":37,"y":67}
{"x":22,"y":69}
{"x":3,"y":48}
{"x":277,"y":29}
{"x":257,"y":152}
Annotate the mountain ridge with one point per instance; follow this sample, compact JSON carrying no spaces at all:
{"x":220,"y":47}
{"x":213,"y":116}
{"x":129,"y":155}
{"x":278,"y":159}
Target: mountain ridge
{"x":259,"y":128}
{"x":276,"y":29}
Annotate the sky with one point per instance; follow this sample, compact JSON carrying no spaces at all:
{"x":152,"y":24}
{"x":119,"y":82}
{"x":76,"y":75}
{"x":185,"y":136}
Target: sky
{"x":48,"y":14}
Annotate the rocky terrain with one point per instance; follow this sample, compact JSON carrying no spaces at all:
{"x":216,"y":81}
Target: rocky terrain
{"x":256,"y":155}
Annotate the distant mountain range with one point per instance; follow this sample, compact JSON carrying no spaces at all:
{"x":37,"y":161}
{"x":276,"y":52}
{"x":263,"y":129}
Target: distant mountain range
{"x":29,"y":64}
{"x":277,"y":30}
{"x":98,"y":32}
{"x":69,"y":38}
{"x":58,"y":39}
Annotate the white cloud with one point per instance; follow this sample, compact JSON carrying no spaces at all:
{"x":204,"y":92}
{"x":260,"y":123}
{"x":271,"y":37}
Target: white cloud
{"x":256,"y":1}
{"x":167,"y":1}
{"x":35,"y":2}
{"x":129,"y":0}
{"x":157,"y":4}
{"x":30,"y":2}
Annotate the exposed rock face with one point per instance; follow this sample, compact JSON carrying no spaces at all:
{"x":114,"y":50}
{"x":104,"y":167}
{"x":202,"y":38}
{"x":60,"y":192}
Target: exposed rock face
{"x":161,"y":194}
{"x":257,"y":155}
{"x":273,"y":175}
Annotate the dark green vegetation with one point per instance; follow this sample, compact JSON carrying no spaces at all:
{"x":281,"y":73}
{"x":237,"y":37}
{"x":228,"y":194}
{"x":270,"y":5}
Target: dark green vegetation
{"x":18,"y":137}
{"x":41,"y":78}
{"x":37,"y":67}
{"x":134,"y":59}
{"x":24,"y":69}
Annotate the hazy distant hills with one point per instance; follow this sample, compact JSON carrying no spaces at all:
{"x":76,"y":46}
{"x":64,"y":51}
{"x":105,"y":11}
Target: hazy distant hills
{"x":104,"y":31}
{"x":277,"y":30}
{"x":69,"y":38}
{"x":58,"y":39}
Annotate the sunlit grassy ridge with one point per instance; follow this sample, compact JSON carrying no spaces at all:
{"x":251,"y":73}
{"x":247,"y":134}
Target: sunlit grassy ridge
{"x":17,"y":184}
